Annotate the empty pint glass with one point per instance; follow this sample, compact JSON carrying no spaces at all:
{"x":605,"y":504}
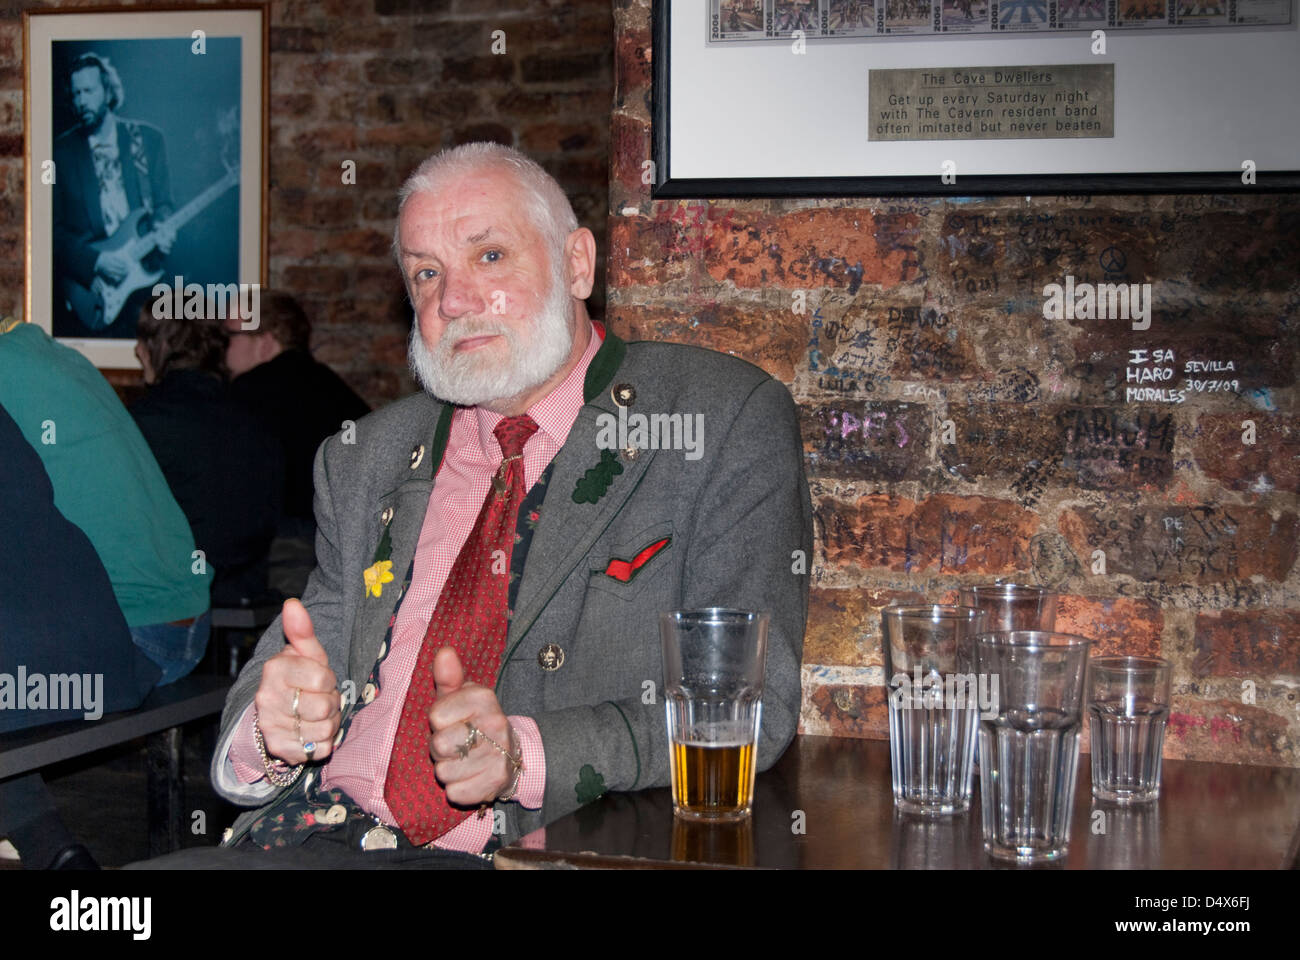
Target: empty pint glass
{"x":1029,"y":749}
{"x":713,"y":688}
{"x":1012,"y":606}
{"x":1128,"y":702}
{"x":933,"y":701}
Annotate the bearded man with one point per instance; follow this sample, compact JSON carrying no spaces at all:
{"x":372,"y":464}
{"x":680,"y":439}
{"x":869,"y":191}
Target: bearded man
{"x":477,"y":651}
{"x":107,"y":168}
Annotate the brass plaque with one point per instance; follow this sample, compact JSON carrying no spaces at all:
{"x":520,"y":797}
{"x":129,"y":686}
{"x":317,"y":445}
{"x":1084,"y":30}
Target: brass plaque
{"x":1049,"y":102}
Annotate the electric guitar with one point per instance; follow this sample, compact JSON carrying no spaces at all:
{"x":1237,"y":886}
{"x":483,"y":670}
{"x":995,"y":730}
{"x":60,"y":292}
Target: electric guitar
{"x":99,"y":305}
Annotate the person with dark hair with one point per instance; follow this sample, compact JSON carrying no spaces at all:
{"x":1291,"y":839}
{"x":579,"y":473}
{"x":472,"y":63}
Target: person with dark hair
{"x":225,"y":470}
{"x":302,"y":402}
{"x":108,"y":170}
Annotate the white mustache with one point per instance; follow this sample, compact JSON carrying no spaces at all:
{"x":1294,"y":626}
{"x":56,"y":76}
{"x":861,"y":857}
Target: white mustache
{"x":459,"y":331}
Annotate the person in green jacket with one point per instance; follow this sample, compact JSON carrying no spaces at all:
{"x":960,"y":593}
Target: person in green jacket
{"x":107,"y":482}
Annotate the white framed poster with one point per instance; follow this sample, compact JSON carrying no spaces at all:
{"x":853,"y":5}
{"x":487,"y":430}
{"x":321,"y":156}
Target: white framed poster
{"x":965,"y":97}
{"x":146,"y":135}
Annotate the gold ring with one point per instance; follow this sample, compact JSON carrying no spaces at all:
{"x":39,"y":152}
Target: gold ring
{"x":471,"y":739}
{"x":297,"y":692}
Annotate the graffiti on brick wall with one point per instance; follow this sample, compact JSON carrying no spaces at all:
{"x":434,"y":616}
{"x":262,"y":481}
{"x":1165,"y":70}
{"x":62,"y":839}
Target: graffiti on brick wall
{"x":843,"y":349}
{"x":941,"y":534}
{"x":866,"y":440}
{"x":1206,"y":543}
{"x":1117,"y":449}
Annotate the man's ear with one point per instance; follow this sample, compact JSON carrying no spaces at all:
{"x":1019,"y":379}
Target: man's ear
{"x":268,"y":347}
{"x":146,"y":369}
{"x":580,"y":257}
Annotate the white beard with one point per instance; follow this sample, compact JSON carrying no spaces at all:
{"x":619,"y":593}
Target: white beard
{"x":478,"y":378}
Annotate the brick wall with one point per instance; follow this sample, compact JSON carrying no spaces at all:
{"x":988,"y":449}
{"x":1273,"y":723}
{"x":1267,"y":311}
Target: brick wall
{"x":384,"y":83}
{"x":924,"y":324}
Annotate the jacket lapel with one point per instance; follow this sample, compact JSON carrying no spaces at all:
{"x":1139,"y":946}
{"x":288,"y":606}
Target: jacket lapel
{"x":408,"y":499}
{"x":130,"y":175}
{"x":86,"y":176}
{"x":568,"y":528}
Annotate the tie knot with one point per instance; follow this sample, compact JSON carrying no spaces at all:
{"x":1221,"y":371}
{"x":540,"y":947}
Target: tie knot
{"x":513,"y":432}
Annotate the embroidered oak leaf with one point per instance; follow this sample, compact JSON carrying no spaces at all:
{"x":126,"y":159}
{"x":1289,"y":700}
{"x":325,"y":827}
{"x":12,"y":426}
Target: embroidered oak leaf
{"x":590,"y":784}
{"x":593,"y":484}
{"x":378,"y":574}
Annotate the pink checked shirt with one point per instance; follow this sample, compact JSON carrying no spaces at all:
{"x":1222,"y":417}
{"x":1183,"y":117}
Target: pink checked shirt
{"x":359,"y":766}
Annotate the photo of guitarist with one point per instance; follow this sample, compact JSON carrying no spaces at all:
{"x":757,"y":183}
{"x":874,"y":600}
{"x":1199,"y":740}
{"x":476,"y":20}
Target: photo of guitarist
{"x":111,"y":181}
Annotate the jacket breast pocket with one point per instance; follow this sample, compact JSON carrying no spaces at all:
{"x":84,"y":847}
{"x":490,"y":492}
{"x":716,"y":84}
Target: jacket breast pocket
{"x":633,"y":563}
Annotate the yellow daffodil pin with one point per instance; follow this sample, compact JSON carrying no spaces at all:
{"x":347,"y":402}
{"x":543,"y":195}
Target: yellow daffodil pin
{"x":378,"y":574}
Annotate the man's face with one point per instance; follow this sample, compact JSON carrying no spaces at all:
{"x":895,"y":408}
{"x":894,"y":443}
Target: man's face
{"x":493,"y":315}
{"x":89,"y":99}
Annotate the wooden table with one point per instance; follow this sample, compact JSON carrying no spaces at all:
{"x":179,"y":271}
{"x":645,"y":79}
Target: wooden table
{"x":1209,"y":816}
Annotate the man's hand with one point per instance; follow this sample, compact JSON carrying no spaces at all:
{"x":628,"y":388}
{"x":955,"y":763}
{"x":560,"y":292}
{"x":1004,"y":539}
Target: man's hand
{"x":302,"y":665}
{"x":485,"y":774}
{"x":164,"y":236}
{"x":113,"y":266}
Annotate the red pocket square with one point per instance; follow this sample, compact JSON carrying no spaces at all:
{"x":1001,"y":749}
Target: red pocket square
{"x":624,"y":570}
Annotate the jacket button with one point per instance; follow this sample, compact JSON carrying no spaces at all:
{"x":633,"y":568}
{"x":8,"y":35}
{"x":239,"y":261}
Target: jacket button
{"x":387,"y":516}
{"x":417,"y":456}
{"x":623,"y":394}
{"x":551,"y":657}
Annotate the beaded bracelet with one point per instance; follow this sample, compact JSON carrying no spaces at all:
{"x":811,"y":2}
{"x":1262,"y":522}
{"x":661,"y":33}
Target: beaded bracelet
{"x":274,"y":776}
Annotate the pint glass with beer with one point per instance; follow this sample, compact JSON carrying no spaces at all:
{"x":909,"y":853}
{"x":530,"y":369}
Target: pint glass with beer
{"x":713,"y":688}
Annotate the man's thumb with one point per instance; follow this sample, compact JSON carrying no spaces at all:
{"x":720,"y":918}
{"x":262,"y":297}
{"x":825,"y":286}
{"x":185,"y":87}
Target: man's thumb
{"x":448,"y":674}
{"x":300,"y":633}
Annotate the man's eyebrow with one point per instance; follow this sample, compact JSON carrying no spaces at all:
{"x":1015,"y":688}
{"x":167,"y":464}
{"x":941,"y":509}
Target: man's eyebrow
{"x":420,"y":254}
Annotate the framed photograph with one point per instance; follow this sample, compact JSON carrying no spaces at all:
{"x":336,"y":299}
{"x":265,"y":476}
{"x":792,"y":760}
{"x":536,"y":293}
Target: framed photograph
{"x":146,"y":146}
{"x":825,"y":98}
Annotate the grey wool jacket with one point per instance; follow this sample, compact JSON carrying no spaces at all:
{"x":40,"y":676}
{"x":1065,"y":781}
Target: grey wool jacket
{"x":735,"y":512}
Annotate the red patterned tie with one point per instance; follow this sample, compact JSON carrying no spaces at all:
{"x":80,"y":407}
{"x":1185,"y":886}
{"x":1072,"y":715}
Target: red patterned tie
{"x":471,"y":618}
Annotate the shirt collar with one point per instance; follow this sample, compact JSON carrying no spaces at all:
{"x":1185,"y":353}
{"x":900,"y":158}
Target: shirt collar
{"x":554,"y":412}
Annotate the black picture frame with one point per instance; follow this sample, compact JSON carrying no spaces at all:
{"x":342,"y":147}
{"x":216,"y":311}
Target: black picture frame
{"x":664,"y":186}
